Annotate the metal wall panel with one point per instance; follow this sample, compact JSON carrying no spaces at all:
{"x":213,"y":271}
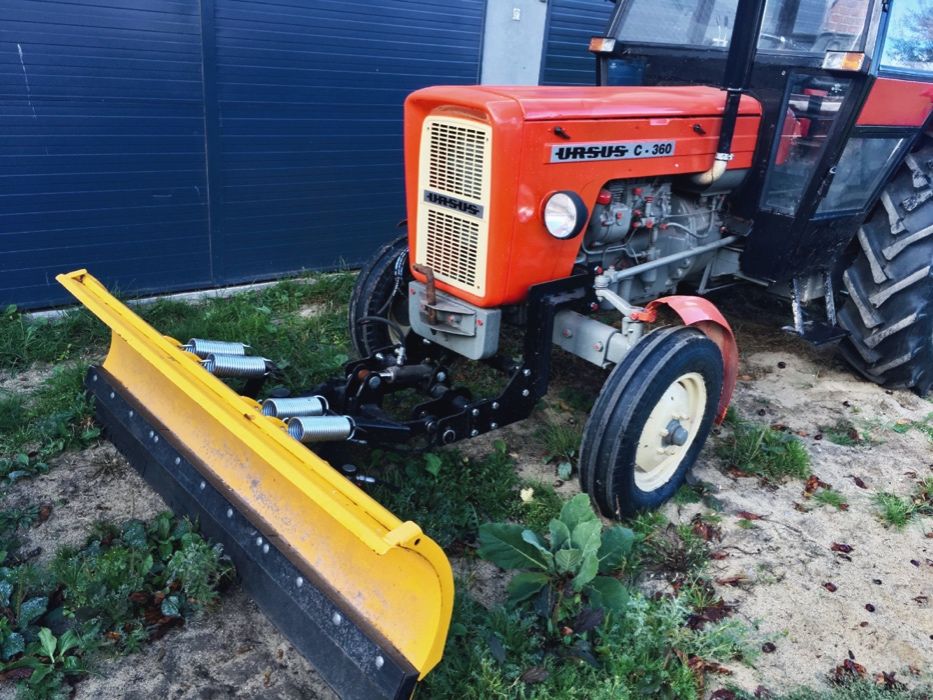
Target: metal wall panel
{"x":571,"y":25}
{"x":188,"y":143}
{"x":309,"y":137}
{"x":101,"y":146}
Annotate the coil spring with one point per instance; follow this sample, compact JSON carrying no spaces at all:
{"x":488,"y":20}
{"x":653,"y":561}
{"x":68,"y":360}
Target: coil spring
{"x":202,"y":348}
{"x":301,"y":406}
{"x":321,"y":428}
{"x":248,"y":367}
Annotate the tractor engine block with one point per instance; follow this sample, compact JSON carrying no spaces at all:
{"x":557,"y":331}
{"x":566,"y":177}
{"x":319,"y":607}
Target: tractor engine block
{"x":640,"y":221}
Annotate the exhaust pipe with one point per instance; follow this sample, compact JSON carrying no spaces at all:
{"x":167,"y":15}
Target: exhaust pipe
{"x":742,"y":49}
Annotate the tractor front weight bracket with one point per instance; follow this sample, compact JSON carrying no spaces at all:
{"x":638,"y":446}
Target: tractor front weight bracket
{"x":450,"y":413}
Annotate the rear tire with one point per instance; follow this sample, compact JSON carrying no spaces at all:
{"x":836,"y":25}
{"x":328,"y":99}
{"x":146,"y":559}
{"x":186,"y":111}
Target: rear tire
{"x":672,"y":378}
{"x":889,"y":312}
{"x":381,"y":290}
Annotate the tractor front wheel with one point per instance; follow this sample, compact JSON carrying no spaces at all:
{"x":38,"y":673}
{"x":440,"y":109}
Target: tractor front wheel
{"x":650,"y":421}
{"x":889,"y":312}
{"x":381,"y":292}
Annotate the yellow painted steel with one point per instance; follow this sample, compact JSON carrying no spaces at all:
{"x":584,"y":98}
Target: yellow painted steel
{"x":396,"y":578}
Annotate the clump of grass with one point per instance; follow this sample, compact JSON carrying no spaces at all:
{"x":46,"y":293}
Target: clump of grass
{"x":843,"y":432}
{"x":447,"y":494}
{"x":924,"y":426}
{"x":762,"y":451}
{"x":898,"y":511}
{"x":561,"y":443}
{"x":24,"y":340}
{"x":831,"y":497}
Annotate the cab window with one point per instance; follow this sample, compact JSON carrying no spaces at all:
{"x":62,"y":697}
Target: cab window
{"x":706,"y":23}
{"x":908,"y":45}
{"x":814,"y":26}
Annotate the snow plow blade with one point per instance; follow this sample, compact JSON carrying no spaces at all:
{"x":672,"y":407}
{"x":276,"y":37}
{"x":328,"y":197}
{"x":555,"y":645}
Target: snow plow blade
{"x":365,"y":597}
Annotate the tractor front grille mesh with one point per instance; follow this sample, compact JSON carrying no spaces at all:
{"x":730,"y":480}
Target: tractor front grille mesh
{"x":456,"y":155}
{"x":455,"y":172}
{"x":453,"y":246}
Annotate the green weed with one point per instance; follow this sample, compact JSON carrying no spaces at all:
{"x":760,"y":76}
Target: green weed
{"x":112,"y":594}
{"x":898,"y":511}
{"x":843,"y":432}
{"x":447,"y":494}
{"x":829,"y":497}
{"x":562,"y":446}
{"x":762,"y":451}
{"x":542,"y":505}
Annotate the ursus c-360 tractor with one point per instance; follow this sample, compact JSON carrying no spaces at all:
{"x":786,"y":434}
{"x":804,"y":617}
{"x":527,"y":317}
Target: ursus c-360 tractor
{"x":785,"y":143}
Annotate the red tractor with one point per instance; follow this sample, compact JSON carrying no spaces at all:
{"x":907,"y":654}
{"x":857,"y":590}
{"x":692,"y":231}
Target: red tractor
{"x":806,"y":171}
{"x":785,"y":144}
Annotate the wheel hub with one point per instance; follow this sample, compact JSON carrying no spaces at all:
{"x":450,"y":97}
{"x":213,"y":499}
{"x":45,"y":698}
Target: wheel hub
{"x":670,"y":430}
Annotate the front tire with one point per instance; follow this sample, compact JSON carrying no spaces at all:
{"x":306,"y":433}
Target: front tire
{"x":381,"y":291}
{"x":889,"y":312}
{"x":650,"y":421}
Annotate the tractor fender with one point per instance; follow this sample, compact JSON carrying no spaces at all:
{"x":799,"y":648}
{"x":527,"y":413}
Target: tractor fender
{"x":705,"y":317}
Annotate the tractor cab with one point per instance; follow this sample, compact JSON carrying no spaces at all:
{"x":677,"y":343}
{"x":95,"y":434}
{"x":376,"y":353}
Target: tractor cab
{"x":831,"y":132}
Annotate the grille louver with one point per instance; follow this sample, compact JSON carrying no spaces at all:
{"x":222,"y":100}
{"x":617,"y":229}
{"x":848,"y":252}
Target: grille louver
{"x":455,"y":162}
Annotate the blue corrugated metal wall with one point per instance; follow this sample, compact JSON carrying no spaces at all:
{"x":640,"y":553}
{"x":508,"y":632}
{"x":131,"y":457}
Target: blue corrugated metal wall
{"x":177,"y":144}
{"x":571,"y":25}
{"x":101,"y":146}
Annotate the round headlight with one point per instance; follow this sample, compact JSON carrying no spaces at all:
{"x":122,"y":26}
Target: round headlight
{"x":564,"y":215}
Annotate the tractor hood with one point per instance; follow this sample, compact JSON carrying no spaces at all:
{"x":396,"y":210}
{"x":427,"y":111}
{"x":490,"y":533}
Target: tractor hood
{"x":549,"y":103}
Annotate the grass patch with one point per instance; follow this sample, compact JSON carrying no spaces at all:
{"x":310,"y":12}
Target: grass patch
{"x":897,"y":511}
{"x":759,"y":450}
{"x":127,"y":585}
{"x":830,"y":497}
{"x":843,"y":432}
{"x":924,"y":426}
{"x":561,"y":446}
{"x":447,"y":494}
{"x":499,"y":654}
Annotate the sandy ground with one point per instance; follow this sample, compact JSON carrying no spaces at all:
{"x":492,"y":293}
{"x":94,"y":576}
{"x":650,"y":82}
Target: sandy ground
{"x":785,"y":558}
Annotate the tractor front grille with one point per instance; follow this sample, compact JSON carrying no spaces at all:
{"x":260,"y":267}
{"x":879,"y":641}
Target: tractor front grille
{"x":454,"y":191}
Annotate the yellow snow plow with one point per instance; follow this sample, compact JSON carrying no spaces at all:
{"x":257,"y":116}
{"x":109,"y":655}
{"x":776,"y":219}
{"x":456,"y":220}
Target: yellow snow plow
{"x":365,"y":597}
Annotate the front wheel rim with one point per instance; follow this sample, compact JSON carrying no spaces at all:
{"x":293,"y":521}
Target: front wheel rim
{"x":670,"y":431}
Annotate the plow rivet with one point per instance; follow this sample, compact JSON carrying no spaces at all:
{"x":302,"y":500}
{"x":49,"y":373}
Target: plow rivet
{"x":337,"y":618}
{"x":493,"y":426}
{"x":299,"y":582}
{"x":495,"y":405}
{"x":155,"y":438}
{"x":94,"y":377}
{"x":177,"y":461}
{"x":475,"y":412}
{"x":112,"y":395}
{"x":526,"y":393}
{"x":151,"y":434}
{"x":258,"y":541}
{"x":474,"y":432}
{"x":380,"y":662}
{"x":131,"y":414}
{"x":526,"y":372}
{"x":265,"y":549}
{"x":203,"y":485}
{"x":229,"y":512}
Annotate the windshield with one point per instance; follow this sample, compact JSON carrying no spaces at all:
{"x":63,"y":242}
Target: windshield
{"x":801,"y":26}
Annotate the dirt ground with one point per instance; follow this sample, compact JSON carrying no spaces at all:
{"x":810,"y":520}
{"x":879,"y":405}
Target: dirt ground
{"x":880,"y":612}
